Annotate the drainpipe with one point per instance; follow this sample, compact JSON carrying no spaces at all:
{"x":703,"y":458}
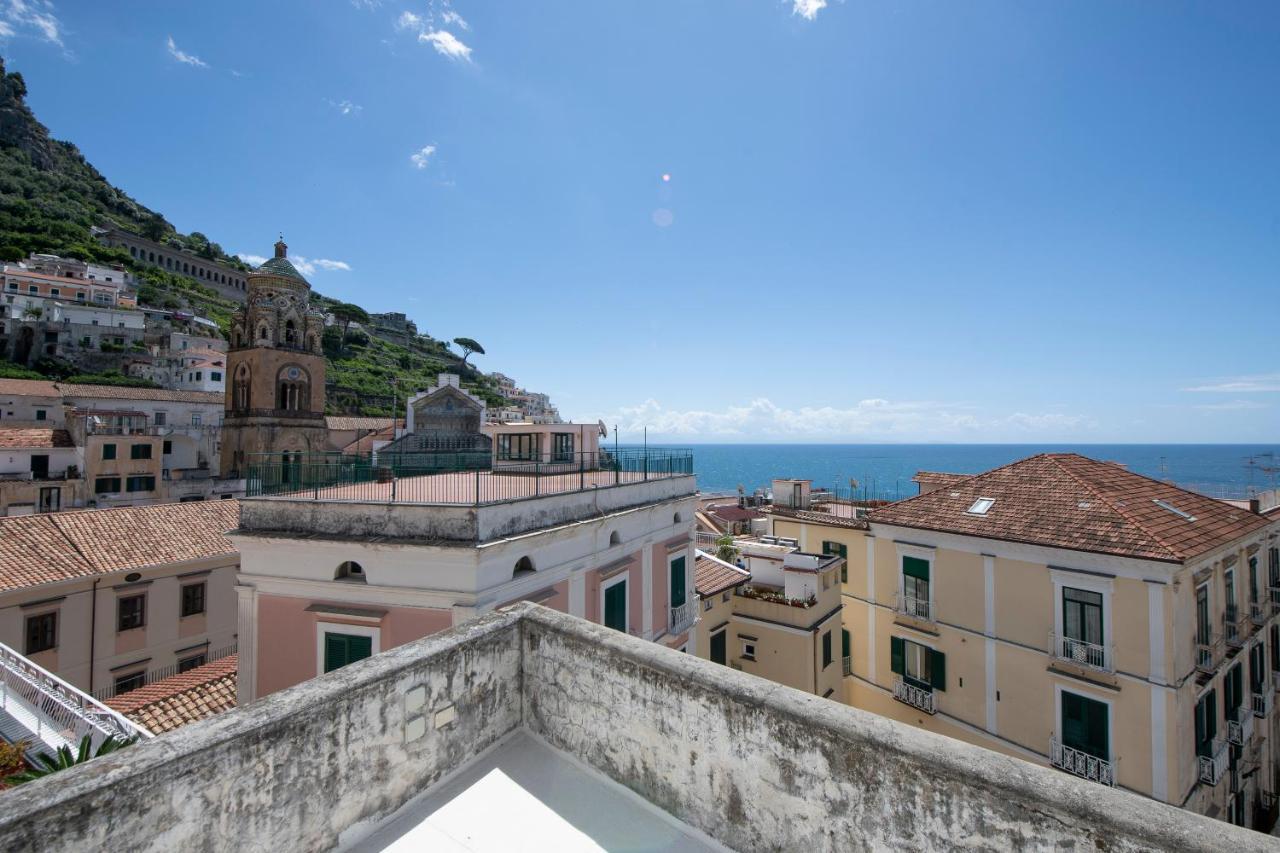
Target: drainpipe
{"x":93,"y":628}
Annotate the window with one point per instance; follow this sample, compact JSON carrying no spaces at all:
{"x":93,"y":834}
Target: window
{"x":1257,"y":667}
{"x":678,"y":582}
{"x":707,"y":604}
{"x":826,"y":650}
{"x":1082,"y":616}
{"x":141,"y":484}
{"x":193,"y":599}
{"x":350,"y":571}
{"x":1206,"y":722}
{"x":615,"y":606}
{"x":215,"y":376}
{"x":1233,"y":690}
{"x":518,"y":447}
{"x":840,"y":551}
{"x":846,"y":646}
{"x":195,"y":419}
{"x":161,"y":418}
{"x":719,"y":651}
{"x":1173,"y":509}
{"x":166,"y":448}
{"x":42,"y":632}
{"x":981,"y":506}
{"x":132,"y":681}
{"x":918,"y":664}
{"x":108,"y":451}
{"x":562,"y":446}
{"x":342,"y":649}
{"x":1085,"y":725}
{"x":31,"y":288}
{"x":915,"y":587}
{"x":1204,"y":626}
{"x":187,"y":664}
{"x":131,"y":612}
{"x":748,"y":650}
{"x":140,"y":451}
{"x":1253,"y":580}
{"x":41,"y":415}
{"x":106,"y":485}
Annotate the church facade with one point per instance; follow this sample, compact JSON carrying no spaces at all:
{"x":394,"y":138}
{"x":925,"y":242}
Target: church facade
{"x":275,"y":370}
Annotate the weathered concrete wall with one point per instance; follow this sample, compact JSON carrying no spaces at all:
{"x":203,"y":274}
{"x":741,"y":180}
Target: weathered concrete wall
{"x":506,"y":519}
{"x":759,"y":766}
{"x":293,"y":771}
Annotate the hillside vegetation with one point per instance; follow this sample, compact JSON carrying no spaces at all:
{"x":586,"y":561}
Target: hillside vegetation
{"x":50,"y":198}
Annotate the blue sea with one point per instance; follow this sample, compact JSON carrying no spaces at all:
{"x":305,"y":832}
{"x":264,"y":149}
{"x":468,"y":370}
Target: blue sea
{"x":885,"y":470}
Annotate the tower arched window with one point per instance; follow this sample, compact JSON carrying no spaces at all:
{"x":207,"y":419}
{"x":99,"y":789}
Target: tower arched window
{"x":290,"y":333}
{"x":240,"y":388}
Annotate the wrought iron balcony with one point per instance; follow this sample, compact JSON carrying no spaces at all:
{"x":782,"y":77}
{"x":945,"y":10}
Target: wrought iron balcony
{"x":1080,"y":763}
{"x":1091,"y":655}
{"x":1208,"y":654}
{"x":1213,"y":765}
{"x":1234,"y":626}
{"x":1257,"y":613}
{"x":683,"y":617}
{"x":916,"y":608}
{"x":1239,"y":726}
{"x":916,"y":697}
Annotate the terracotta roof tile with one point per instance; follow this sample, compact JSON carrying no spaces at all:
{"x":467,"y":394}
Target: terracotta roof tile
{"x":187,"y":697}
{"x":29,"y":388}
{"x":712,"y":575}
{"x":1064,"y":500}
{"x":942,"y":478}
{"x":34,"y":438}
{"x":56,"y":546}
{"x":43,"y":388}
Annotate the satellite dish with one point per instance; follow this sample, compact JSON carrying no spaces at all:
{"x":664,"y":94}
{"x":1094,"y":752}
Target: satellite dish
{"x":604,"y":430}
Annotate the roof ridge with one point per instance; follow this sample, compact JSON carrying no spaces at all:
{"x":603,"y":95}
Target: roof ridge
{"x":1122,"y":511}
{"x":970,"y":479}
{"x":54,"y":520}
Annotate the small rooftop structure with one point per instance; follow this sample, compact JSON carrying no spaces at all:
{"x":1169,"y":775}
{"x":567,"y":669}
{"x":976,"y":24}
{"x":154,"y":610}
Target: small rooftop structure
{"x":406,"y":747}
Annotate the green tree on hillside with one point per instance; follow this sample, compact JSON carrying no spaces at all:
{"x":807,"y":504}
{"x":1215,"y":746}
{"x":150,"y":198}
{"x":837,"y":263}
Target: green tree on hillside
{"x":468,"y":347}
{"x":346,"y":314}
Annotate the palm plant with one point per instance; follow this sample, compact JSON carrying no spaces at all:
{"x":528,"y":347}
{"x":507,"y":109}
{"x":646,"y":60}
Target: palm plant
{"x":65,"y":758}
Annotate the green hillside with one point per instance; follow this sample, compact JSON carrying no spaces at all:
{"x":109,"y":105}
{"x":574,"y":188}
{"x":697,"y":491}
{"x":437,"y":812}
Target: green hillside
{"x":50,"y":197}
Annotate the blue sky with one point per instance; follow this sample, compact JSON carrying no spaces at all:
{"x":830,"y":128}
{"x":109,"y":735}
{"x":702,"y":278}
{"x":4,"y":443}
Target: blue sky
{"x":890,"y":221}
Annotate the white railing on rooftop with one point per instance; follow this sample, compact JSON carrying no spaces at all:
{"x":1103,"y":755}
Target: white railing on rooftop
{"x":914,"y":696}
{"x":58,"y":711}
{"x":683,"y":617}
{"x":847,"y":664}
{"x":1091,"y":655}
{"x":1213,"y":765}
{"x":1080,"y":763}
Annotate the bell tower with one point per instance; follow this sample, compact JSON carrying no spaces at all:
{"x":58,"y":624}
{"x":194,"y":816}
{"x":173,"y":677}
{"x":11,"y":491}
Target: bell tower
{"x":275,"y":370}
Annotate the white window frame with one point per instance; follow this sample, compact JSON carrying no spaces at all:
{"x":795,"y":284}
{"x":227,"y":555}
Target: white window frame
{"x":689,"y":592}
{"x":621,"y":577}
{"x":1111,"y":718}
{"x":323,"y":628}
{"x":751,"y":655}
{"x":1063,"y":578}
{"x":929,"y":555}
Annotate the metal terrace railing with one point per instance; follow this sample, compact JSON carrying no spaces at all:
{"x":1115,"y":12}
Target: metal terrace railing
{"x":154,"y":675}
{"x":454,"y":478}
{"x":1080,"y":763}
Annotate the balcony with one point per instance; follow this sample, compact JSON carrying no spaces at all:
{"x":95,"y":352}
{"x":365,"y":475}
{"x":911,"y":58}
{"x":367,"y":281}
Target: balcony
{"x":1234,"y":627}
{"x":914,"y":696}
{"x":1080,"y":763}
{"x":683,"y":617}
{"x":1274,"y":593}
{"x":847,"y":665}
{"x":914,"y":608}
{"x":1239,"y":726}
{"x":1089,"y":655}
{"x":1213,"y":765}
{"x":1264,"y":701}
{"x":1258,"y":613}
{"x":1208,"y":654}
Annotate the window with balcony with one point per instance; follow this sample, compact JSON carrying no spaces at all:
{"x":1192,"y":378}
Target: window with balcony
{"x":915,"y":588}
{"x":615,"y":605}
{"x":131,"y":612}
{"x":920,"y":666}
{"x":1206,"y":722}
{"x":846,"y":651}
{"x":140,"y":484}
{"x":678,"y":581}
{"x":161,"y":418}
{"x":132,"y":681}
{"x":1082,"y":631}
{"x":1085,"y":725}
{"x":42,"y":632}
{"x":1233,"y":690}
{"x":106,"y":485}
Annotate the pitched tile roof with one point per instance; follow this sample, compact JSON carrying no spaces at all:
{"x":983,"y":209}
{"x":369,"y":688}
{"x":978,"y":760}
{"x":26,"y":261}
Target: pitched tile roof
{"x":941,"y":478}
{"x":734,"y":513}
{"x":712,"y":575}
{"x":187,"y":697}
{"x":56,"y":546}
{"x":29,"y":388}
{"x":34,"y":438}
{"x":44,"y":388}
{"x":1065,"y":500}
{"x":340,"y":422}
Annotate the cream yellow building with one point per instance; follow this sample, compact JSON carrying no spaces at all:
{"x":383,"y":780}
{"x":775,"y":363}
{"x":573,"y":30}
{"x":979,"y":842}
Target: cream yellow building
{"x":1072,"y":613}
{"x":777,"y":616}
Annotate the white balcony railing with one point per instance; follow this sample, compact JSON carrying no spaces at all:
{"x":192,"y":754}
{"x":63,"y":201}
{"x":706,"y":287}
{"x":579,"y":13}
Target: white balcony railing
{"x":1233,"y":627}
{"x":1240,"y":729}
{"x":56,"y":713}
{"x":1264,"y":701}
{"x":1257,"y":613}
{"x":1208,"y":654}
{"x":847,"y":664}
{"x":1090,"y":655}
{"x":1081,"y":763}
{"x":914,"y":696}
{"x":683,"y":617}
{"x":1213,"y":765}
{"x":916,"y":608}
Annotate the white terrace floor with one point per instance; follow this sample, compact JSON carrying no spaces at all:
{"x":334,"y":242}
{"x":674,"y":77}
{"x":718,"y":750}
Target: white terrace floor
{"x":470,"y":487}
{"x":525,"y":795}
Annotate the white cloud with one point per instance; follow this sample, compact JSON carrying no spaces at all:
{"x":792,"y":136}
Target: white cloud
{"x":451,"y":17}
{"x":303,"y":264}
{"x":808,"y":9}
{"x":185,"y":58}
{"x":422,"y":158}
{"x":36,"y":16}
{"x":251,"y":260}
{"x":346,"y":107}
{"x":1260,"y":383}
{"x":1232,"y":406}
{"x":326,"y":264}
{"x":446,"y":44}
{"x":873,"y":418}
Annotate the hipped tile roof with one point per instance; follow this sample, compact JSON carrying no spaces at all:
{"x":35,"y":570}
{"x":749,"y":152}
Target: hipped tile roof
{"x":180,"y":699}
{"x":712,"y":575}
{"x":1065,"y":500}
{"x":43,"y":439}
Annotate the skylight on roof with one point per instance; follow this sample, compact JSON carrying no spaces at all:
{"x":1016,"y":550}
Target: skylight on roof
{"x":1173,"y":509}
{"x":980,"y":506}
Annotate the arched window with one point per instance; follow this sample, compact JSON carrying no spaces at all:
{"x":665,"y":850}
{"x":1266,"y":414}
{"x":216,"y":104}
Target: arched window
{"x":240,"y":388}
{"x":151,"y":257}
{"x":524,"y":567}
{"x":677,"y":518}
{"x":133,"y":252}
{"x":290,"y":333}
{"x":263,"y":333}
{"x":350,"y":571}
{"x":614,"y":539}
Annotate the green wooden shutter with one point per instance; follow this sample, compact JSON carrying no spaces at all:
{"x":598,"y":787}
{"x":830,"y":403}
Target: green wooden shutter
{"x":844,"y":643}
{"x":359,"y":648}
{"x":615,"y":606}
{"x":897,"y":655}
{"x":719,"y":647}
{"x":335,"y":651}
{"x":938,"y":671}
{"x":677,"y":582}
{"x":826,"y":648}
{"x":916,"y":568}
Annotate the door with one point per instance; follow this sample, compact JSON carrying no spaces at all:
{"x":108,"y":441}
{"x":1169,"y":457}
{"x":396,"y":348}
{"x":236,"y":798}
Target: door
{"x":39,"y":466}
{"x":342,"y":649}
{"x":50,"y":499}
{"x":677,"y":582}
{"x":615,"y":607}
{"x":719,"y":646}
{"x":1084,"y":725}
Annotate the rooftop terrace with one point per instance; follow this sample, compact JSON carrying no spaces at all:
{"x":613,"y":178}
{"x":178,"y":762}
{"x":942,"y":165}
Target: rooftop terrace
{"x":408,"y":745}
